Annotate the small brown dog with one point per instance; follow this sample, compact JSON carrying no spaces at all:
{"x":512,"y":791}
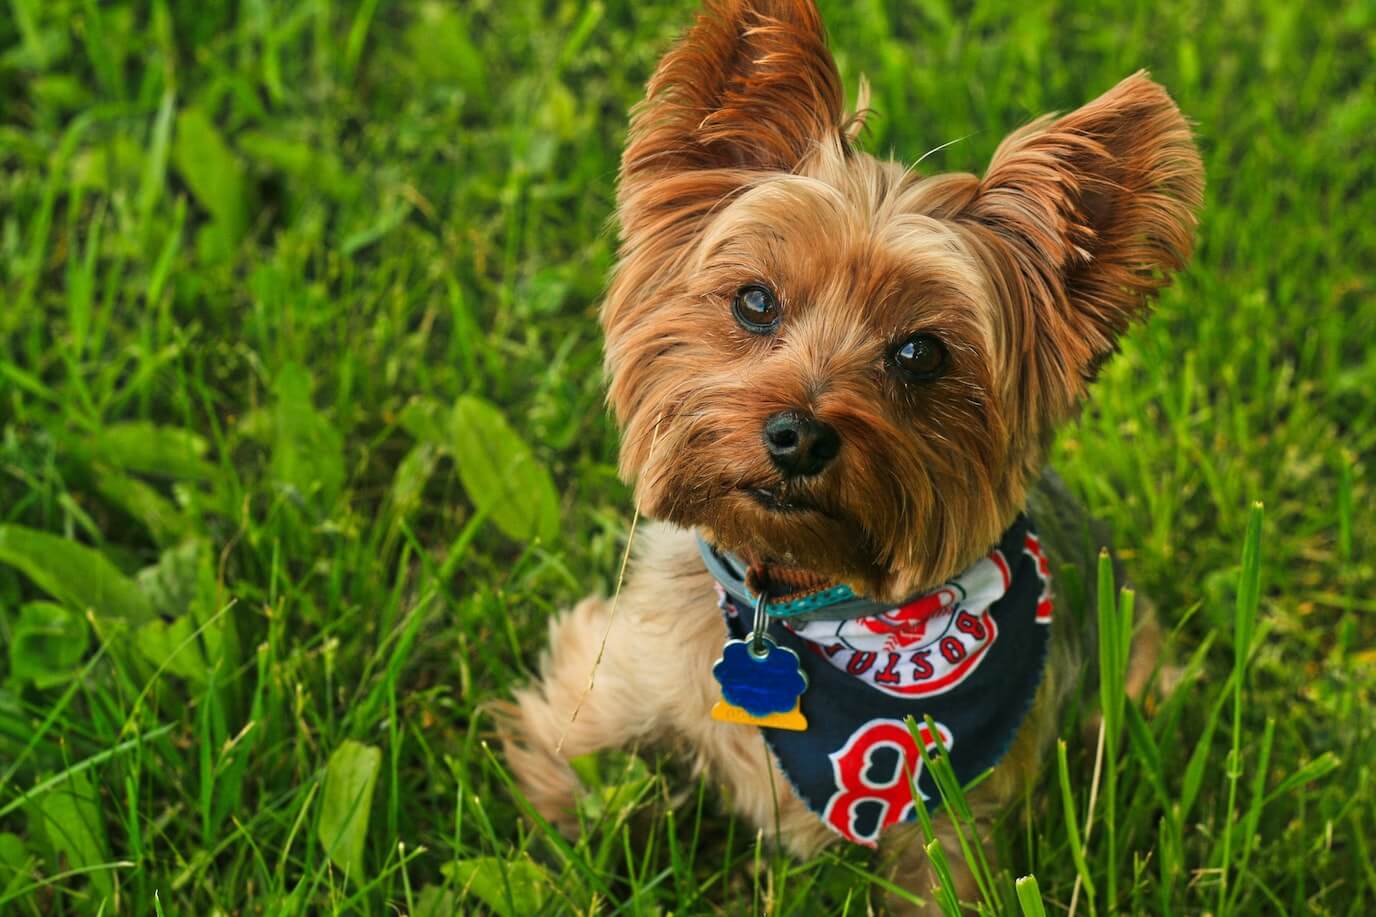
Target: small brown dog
{"x":844,"y":378}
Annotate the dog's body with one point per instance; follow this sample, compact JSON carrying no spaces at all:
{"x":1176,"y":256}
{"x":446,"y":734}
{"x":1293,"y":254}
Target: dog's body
{"x":825,"y":363}
{"x":653,"y":688}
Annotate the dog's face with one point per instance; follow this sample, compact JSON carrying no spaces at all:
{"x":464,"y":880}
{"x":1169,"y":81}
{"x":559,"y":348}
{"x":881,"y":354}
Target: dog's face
{"x":830,"y":361}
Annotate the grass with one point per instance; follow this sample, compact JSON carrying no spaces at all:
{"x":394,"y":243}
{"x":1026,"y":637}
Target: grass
{"x":292,"y":291}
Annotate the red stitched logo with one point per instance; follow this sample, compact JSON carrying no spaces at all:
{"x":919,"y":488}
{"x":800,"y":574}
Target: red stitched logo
{"x":907,"y":624}
{"x":868,"y":802}
{"x":925,"y":647}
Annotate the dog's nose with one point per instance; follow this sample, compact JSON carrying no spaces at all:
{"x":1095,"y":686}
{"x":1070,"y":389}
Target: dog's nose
{"x":799,"y":444}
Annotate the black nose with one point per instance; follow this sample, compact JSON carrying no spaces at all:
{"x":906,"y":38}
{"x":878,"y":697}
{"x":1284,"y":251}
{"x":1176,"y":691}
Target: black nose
{"x":799,"y":444}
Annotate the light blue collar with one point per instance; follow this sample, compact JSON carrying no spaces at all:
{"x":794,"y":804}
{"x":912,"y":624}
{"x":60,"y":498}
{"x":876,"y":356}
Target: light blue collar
{"x":833,"y":603}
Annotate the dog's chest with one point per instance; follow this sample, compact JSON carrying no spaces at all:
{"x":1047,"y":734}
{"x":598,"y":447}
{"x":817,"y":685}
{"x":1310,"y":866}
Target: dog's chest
{"x":963,"y":662}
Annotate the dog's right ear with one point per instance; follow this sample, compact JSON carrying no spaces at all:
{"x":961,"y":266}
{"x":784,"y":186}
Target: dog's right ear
{"x":751,"y":87}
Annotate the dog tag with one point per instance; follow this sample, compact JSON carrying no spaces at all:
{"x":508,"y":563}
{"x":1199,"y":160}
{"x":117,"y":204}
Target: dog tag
{"x":761,"y":685}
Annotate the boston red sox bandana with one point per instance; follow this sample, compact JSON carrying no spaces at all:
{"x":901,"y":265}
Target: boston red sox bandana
{"x":969,"y":655}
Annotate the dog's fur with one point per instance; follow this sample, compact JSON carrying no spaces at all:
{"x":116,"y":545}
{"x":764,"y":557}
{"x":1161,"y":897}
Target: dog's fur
{"x":741,"y":168}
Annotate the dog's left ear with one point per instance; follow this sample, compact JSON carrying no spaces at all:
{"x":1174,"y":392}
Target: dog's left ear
{"x":1094,"y":211}
{"x":751,"y":87}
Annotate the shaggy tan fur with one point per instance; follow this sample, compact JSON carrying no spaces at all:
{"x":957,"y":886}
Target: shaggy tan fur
{"x":741,"y":169}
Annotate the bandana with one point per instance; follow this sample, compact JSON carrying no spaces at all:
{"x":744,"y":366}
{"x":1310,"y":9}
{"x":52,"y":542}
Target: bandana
{"x":968,"y":654}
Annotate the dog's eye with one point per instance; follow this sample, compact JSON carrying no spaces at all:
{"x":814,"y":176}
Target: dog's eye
{"x":921,"y":357}
{"x":756,"y":309}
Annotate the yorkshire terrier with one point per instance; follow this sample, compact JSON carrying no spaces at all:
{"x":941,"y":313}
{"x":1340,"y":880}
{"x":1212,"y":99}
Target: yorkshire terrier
{"x":838,"y":381}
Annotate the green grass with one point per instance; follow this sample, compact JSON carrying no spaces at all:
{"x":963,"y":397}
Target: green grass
{"x":271,"y":276}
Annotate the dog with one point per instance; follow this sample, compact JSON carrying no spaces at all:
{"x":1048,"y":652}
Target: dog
{"x":837,"y":382}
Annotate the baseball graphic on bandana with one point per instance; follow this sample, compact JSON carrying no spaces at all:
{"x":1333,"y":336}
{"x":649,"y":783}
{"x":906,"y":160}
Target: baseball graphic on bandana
{"x":926,"y":646}
{"x":906,"y":625}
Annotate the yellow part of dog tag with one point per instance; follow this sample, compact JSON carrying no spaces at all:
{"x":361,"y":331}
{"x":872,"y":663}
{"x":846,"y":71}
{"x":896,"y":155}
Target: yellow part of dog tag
{"x":730,"y":713}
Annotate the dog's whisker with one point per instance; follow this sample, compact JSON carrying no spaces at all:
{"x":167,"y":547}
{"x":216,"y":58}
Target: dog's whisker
{"x":937,"y":149}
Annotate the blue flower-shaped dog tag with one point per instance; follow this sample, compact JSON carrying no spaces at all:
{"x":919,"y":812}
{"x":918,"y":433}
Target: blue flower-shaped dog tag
{"x":760,"y":689}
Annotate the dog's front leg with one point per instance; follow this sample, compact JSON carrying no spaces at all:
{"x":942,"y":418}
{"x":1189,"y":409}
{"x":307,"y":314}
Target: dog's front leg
{"x":578,"y":706}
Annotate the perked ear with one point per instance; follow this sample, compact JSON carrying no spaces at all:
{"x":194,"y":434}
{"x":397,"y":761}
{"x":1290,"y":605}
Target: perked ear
{"x":751,"y":86}
{"x":1100,"y":206}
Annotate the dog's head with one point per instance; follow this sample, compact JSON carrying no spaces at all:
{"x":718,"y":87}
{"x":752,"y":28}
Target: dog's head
{"x":832,"y":361}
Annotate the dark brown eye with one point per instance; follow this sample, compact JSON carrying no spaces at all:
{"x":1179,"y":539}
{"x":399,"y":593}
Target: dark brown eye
{"x":756,"y":309}
{"x":921,"y":357}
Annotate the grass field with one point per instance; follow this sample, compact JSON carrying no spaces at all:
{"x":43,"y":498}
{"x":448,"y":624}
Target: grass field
{"x":302,"y":441}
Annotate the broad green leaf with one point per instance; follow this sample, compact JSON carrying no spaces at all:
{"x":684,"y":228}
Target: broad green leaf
{"x":12,"y":851}
{"x":350,"y":777}
{"x":423,"y":418}
{"x":73,"y":573}
{"x":159,"y":515}
{"x":615,"y":795}
{"x":212,"y":172}
{"x":512,"y":888}
{"x":151,"y":449}
{"x":47,"y":643}
{"x":15,"y":864}
{"x":182,"y":584}
{"x":171,"y":585}
{"x":172,"y":647}
{"x":500,"y":474}
{"x":307,"y":452}
{"x":437,"y":901}
{"x":70,"y":815}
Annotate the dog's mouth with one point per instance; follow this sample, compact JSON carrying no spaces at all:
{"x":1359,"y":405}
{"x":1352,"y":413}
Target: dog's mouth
{"x":777,"y":500}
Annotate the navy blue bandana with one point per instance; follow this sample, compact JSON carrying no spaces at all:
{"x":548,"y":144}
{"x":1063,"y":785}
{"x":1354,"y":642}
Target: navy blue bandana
{"x":969,"y":654}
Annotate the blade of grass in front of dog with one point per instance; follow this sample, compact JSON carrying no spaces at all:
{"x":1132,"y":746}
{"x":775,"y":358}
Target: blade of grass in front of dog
{"x":945,"y":891}
{"x":955,"y":804}
{"x":1072,"y":829}
{"x":1244,"y":623}
{"x":1030,"y":897}
{"x":1114,"y":635}
{"x":1113,"y":648}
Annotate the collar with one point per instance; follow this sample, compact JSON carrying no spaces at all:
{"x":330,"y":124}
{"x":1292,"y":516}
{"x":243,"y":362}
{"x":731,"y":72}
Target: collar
{"x":798,"y":595}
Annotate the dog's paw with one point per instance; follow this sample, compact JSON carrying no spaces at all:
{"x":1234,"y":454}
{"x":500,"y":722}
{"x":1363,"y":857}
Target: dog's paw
{"x":543,"y":775}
